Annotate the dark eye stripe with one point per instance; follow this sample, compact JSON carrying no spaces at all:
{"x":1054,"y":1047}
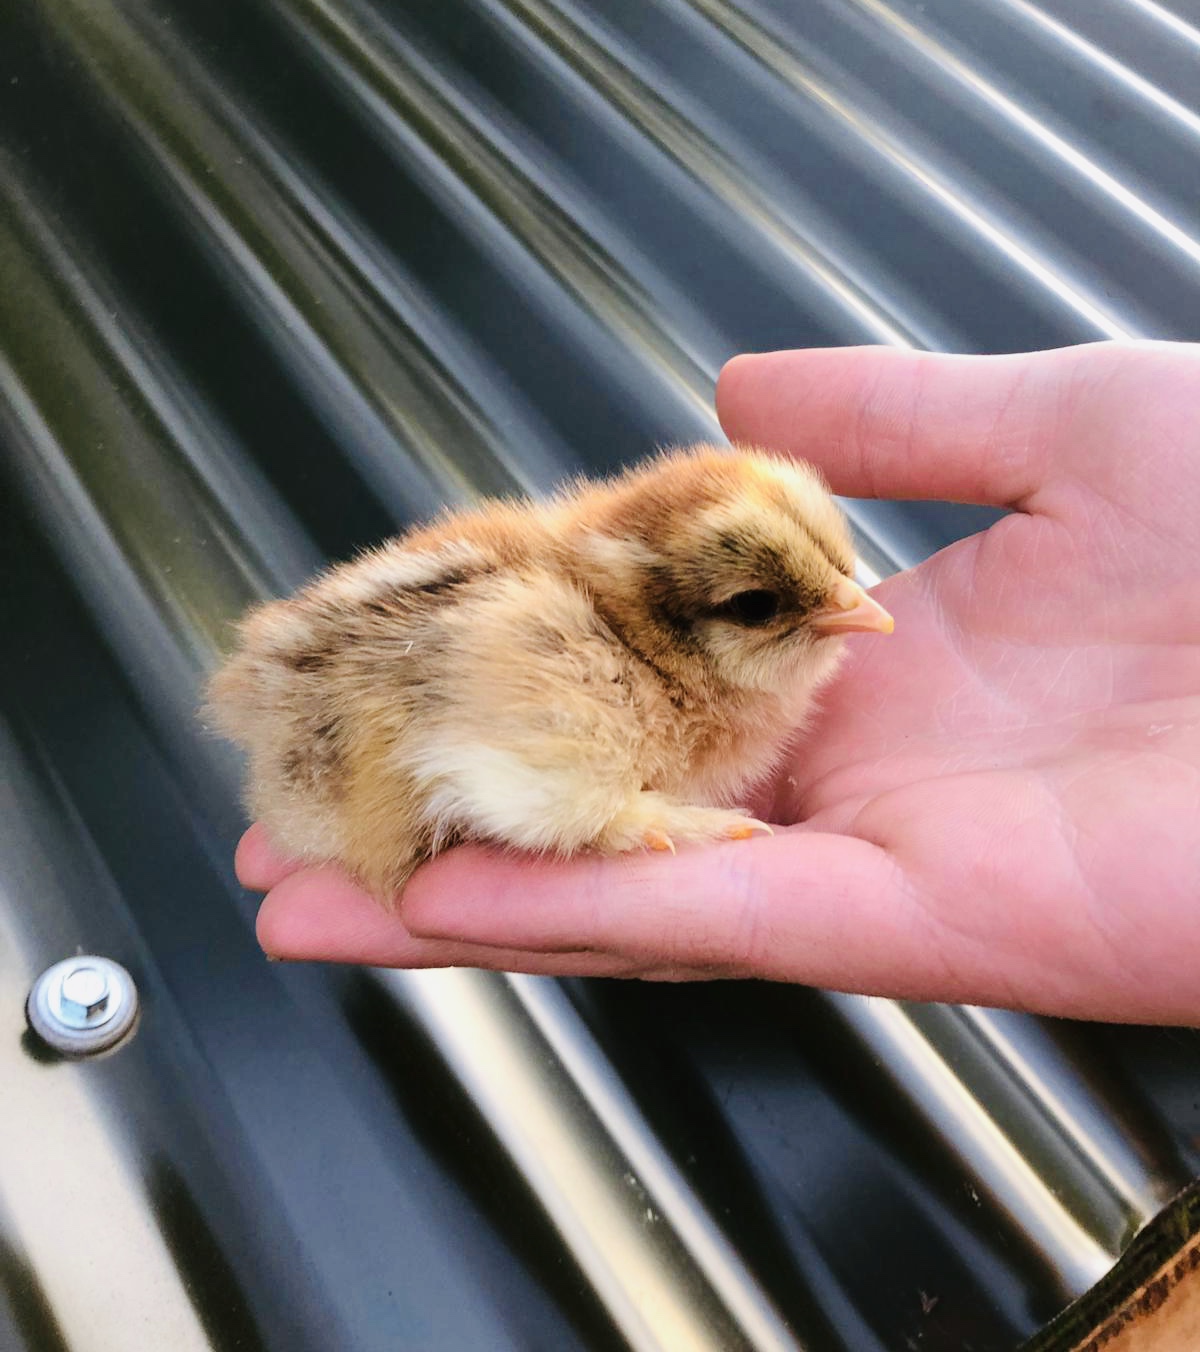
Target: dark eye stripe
{"x":752,"y":608}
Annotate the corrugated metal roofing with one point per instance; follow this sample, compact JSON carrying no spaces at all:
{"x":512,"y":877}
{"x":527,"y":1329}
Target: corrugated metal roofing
{"x":279,"y":276}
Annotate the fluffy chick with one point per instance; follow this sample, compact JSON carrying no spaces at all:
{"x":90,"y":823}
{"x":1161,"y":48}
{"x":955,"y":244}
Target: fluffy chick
{"x":608,"y":670}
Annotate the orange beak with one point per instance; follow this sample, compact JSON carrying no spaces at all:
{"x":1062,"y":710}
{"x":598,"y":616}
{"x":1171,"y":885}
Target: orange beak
{"x":852,"y":611}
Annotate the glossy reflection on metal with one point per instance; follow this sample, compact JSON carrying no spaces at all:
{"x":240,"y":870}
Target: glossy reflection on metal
{"x":1075,"y":161}
{"x":1037,"y":1144}
{"x":969,"y":210}
{"x":75,"y":1213}
{"x":676,"y":127}
{"x":656,"y":1260}
{"x":464,"y":249}
{"x":495,"y":181}
{"x":371,"y":353}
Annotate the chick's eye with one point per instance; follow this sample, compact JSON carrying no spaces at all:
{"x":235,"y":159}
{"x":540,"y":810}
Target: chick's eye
{"x":752,"y":608}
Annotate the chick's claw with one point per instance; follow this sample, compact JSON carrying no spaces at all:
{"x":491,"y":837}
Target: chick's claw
{"x":658,"y":840}
{"x":745,"y":829}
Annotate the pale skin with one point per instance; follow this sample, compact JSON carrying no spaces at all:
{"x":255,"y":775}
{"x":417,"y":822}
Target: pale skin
{"x":999,"y":804}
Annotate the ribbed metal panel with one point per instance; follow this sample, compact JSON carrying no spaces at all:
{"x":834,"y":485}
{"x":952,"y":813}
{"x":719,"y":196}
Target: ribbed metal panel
{"x":278,"y":276}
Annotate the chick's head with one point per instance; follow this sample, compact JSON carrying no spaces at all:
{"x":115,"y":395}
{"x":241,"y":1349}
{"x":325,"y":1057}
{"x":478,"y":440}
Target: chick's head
{"x":737,"y":567}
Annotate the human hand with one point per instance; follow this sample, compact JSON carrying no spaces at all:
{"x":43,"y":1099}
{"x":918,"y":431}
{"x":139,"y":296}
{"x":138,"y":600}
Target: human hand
{"x":1000,"y":804}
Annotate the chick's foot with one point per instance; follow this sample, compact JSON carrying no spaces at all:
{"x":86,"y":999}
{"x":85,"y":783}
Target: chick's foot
{"x":655,"y":822}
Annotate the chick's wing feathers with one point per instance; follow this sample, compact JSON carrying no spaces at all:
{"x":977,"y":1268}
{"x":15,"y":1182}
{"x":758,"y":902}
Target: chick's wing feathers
{"x":314,"y":676}
{"x":416,"y":697}
{"x":534,"y":731}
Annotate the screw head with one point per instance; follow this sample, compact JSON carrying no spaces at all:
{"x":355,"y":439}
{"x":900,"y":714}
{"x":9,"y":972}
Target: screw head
{"x":82,"y":1005}
{"x":84,"y":997}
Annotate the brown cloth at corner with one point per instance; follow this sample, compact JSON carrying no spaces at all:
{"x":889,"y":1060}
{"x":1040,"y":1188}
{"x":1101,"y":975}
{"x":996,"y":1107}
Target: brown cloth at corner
{"x":1149,"y":1302}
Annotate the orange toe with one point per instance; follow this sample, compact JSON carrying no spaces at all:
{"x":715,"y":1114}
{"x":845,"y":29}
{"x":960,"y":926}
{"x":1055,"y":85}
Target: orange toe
{"x":658,"y":840}
{"x":745,"y":831}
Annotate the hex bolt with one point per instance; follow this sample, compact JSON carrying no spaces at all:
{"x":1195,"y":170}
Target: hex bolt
{"x":82,"y":1005}
{"x":83,"y":995}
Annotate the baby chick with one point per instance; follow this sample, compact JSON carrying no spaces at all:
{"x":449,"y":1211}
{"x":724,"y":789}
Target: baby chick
{"x":609,"y":670}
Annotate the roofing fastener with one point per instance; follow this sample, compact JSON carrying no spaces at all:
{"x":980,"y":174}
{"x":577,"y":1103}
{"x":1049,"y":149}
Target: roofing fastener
{"x":82,"y":1005}
{"x":84,"y":997}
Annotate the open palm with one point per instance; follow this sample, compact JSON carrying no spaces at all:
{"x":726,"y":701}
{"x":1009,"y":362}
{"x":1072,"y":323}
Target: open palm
{"x":999,"y":804}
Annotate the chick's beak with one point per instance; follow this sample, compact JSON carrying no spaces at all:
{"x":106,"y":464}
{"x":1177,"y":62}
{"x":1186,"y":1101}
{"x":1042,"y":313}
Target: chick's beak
{"x":851,"y":610}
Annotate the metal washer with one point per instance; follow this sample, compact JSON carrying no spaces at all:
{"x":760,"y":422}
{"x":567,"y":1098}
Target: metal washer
{"x":76,"y":1029}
